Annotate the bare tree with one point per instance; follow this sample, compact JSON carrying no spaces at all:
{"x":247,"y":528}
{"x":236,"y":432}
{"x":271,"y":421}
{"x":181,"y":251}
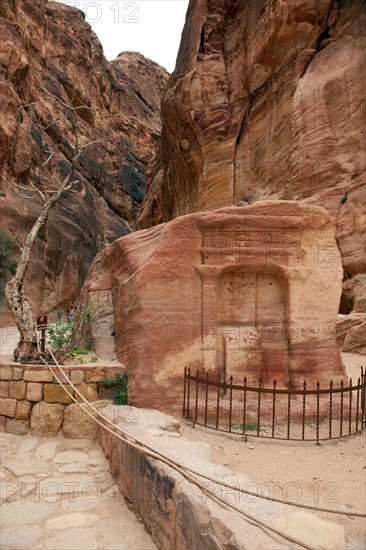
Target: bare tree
{"x":15,"y":290}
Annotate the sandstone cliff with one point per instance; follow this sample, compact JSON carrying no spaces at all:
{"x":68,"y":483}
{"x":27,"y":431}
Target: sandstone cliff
{"x":268,"y":101}
{"x":48,"y":52}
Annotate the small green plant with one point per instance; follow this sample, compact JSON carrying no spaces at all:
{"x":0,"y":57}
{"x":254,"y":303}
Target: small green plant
{"x":94,"y":359}
{"x":120,"y":383}
{"x":80,"y":360}
{"x":79,"y":352}
{"x":249,"y":427}
{"x":61,"y":336}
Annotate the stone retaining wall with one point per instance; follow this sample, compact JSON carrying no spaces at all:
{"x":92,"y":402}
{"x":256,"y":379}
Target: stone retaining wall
{"x":31,"y":399}
{"x":176,"y":512}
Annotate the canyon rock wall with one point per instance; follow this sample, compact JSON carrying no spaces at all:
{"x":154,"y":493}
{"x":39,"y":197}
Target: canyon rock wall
{"x":234,"y":291}
{"x":267,"y":101}
{"x":48,"y":53}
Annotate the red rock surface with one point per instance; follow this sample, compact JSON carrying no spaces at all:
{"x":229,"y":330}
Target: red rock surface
{"x":234,"y":291}
{"x":48,"y":48}
{"x":267,"y":101}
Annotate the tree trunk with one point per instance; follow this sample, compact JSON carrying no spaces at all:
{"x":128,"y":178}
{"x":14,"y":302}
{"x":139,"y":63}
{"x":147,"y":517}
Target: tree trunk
{"x":26,"y":349}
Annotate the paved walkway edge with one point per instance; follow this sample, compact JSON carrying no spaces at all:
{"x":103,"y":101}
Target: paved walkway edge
{"x":176,"y":512}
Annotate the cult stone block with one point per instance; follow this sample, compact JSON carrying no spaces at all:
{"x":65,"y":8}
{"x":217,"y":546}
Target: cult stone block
{"x":17,"y":389}
{"x":4,"y":388}
{"x":77,"y":376}
{"x":23,"y":411}
{"x":38,"y":376}
{"x":8,"y":406}
{"x":34,"y":391}
{"x":18,"y":374}
{"x":94,"y":375}
{"x":6,"y":373}
{"x":54,"y":393}
{"x":89,"y":391}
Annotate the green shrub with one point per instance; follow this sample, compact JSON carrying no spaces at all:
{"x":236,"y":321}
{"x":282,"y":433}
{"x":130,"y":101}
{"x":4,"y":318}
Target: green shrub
{"x":61,"y":336}
{"x":79,"y":352}
{"x":69,"y":336}
{"x":249,"y":427}
{"x":120,"y":383}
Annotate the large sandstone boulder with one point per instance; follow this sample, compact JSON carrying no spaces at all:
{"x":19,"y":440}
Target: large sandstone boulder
{"x":244,"y":291}
{"x":48,"y":51}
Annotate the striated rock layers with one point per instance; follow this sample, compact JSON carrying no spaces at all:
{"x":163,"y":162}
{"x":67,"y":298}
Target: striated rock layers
{"x":234,"y":291}
{"x":49,"y":53}
{"x":267,"y":101}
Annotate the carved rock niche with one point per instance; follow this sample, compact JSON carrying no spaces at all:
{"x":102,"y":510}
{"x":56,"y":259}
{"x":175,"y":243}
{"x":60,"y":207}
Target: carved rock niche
{"x":242,"y":291}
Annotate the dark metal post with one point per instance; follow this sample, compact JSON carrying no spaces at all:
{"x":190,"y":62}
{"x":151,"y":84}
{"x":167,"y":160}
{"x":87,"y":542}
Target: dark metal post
{"x":288,"y":409}
{"x":184,"y":392}
{"x":341,"y":419}
{"x":317,"y":412}
{"x":303,"y":411}
{"x":206,"y":404}
{"x":358,"y":403}
{"x":197,"y":382}
{"x":231,"y":402}
{"x":363,"y":399}
{"x":43,"y":341}
{"x":259,"y":407}
{"x":350,"y":407}
{"x":274,"y":407}
{"x":330,"y":408}
{"x":218,"y":403}
{"x":189,"y":391}
{"x":245,"y":404}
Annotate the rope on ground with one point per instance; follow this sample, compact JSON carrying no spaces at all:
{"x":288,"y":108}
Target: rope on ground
{"x":223,"y":483}
{"x":187,"y":472}
{"x":182,"y":470}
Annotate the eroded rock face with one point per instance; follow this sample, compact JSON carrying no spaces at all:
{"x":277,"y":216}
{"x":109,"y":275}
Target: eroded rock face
{"x":267,"y":101}
{"x":48,"y":51}
{"x":234,"y":291}
{"x":351,"y":333}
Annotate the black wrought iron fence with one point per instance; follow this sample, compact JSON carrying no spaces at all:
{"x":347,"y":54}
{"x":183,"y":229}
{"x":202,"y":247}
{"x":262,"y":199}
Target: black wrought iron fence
{"x":292,"y":413}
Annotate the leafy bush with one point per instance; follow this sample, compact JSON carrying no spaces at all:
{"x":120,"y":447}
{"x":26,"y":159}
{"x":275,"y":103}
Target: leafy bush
{"x":69,"y":337}
{"x":120,"y":383}
{"x":61,"y":336}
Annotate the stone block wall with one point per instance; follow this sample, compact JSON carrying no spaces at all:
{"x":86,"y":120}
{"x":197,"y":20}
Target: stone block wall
{"x":31,"y":399}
